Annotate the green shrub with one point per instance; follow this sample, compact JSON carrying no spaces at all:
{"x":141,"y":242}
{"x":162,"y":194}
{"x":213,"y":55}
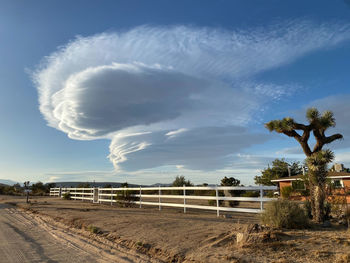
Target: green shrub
{"x":286,"y":191}
{"x":66,"y":196}
{"x":251,"y":194}
{"x":126,"y":198}
{"x":284,"y":214}
{"x":94,"y":229}
{"x":307,"y":207}
{"x":270,"y":194}
{"x":213,"y":202}
{"x":305,"y":192}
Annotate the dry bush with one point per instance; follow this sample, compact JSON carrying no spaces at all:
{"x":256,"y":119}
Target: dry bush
{"x":343,"y":258}
{"x":286,"y":192}
{"x":347,"y":216}
{"x":284,"y":214}
{"x":94,"y":229}
{"x":66,"y":196}
{"x":126,"y":198}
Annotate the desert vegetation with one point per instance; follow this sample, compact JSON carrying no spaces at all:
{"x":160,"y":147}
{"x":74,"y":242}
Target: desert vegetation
{"x":285,"y":214}
{"x":38,"y":188}
{"x":317,"y":158}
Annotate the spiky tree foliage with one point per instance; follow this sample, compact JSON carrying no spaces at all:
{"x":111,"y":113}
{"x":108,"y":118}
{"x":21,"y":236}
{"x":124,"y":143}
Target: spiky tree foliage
{"x":317,"y":159}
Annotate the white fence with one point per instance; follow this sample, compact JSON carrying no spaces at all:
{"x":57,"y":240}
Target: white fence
{"x":108,"y":195}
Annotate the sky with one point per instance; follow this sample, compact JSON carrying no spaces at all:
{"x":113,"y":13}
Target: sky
{"x":143,"y":91}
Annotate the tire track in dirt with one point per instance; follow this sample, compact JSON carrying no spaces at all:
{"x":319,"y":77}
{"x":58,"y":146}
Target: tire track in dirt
{"x":28,"y":238}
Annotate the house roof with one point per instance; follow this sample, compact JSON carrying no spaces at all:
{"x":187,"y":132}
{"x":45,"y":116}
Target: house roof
{"x":331,"y":175}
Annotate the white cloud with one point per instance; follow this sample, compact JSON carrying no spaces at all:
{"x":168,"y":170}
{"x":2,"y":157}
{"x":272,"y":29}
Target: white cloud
{"x":163,"y":92}
{"x":53,"y":178}
{"x":172,"y":134}
{"x":204,"y":148}
{"x":290,"y":151}
{"x":90,"y":176}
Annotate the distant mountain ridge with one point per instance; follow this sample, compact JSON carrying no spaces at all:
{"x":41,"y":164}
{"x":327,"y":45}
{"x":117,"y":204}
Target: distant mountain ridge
{"x":92,"y":184}
{"x":102,"y":184}
{"x":75,"y":184}
{"x":8,"y":182}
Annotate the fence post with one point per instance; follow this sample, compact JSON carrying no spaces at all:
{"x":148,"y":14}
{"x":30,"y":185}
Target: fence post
{"x":184,"y":198}
{"x":217,"y":201}
{"x":60,"y":192}
{"x":98,"y":195}
{"x":160,"y":192}
{"x":261,"y":197}
{"x":111,"y":196}
{"x":140,"y":197}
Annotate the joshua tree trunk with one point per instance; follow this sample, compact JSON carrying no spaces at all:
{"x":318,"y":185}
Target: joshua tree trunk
{"x":317,"y":203}
{"x":317,"y":164}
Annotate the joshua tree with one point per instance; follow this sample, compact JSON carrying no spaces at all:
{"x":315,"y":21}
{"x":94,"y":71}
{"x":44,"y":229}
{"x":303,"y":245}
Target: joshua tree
{"x":316,"y":158}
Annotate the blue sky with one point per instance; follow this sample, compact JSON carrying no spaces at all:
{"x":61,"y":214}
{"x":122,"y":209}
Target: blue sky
{"x":146,"y":90}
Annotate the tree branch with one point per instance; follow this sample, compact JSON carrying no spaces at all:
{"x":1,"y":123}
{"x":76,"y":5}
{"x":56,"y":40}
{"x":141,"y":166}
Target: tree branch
{"x":333,"y":137}
{"x":301,"y":139}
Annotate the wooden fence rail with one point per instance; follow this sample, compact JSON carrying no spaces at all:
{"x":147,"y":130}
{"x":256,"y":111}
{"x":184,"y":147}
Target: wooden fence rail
{"x":108,"y":195}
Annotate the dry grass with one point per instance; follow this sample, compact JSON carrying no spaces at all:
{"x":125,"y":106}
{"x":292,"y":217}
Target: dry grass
{"x":342,"y":258}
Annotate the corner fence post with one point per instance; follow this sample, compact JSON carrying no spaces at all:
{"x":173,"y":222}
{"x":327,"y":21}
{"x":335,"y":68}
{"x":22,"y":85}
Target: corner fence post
{"x":140,"y":197}
{"x":261,"y":199}
{"x":184,"y":198}
{"x":160,"y":193}
{"x":217,"y":201}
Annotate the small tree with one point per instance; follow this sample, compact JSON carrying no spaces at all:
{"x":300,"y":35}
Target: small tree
{"x":181,"y":181}
{"x":38,"y":188}
{"x":49,"y":186}
{"x":231,"y":181}
{"x":125,"y":185}
{"x":278,"y":170}
{"x":317,"y":159}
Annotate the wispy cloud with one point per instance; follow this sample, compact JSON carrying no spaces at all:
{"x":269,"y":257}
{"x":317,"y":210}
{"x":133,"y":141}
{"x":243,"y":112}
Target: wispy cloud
{"x":165,"y":91}
{"x":204,"y":148}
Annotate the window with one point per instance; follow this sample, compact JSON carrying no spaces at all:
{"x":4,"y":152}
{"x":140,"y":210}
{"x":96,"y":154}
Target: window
{"x":298,"y":185}
{"x":337,"y":183}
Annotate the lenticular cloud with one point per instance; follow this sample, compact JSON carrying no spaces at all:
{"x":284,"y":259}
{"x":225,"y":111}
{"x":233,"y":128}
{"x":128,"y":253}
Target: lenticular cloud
{"x":157,"y":81}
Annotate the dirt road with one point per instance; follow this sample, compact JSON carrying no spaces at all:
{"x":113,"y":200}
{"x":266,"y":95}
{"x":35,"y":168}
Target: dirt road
{"x":25,"y":239}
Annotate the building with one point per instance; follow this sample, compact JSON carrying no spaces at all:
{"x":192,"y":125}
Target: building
{"x":339,"y":178}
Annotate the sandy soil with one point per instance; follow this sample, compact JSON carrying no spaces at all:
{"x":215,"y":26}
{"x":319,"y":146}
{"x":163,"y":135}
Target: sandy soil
{"x":197,"y":236}
{"x":25,"y":237}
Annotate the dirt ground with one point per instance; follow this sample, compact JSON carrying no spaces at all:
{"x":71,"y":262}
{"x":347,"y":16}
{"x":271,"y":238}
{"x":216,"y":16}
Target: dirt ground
{"x":26,"y":238}
{"x":197,"y":236}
